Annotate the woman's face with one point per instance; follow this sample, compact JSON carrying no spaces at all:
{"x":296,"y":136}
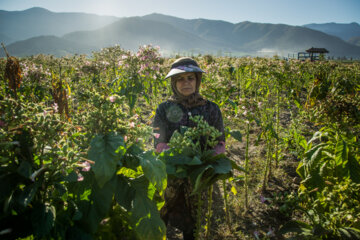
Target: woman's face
{"x":186,"y":83}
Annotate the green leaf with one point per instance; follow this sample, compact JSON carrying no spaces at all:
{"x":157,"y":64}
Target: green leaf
{"x":131,"y":159}
{"x":237,"y":167}
{"x":316,"y":136}
{"x":183,"y":129}
{"x":296,"y":226}
{"x":222,"y":166}
{"x":233,"y":105}
{"x":341,"y":152}
{"x":195,"y":161}
{"x":248,"y":83}
{"x":100,"y":203}
{"x":145,"y":216}
{"x":72,"y":177}
{"x":8,"y":184}
{"x":236,"y":134}
{"x":203,"y":178}
{"x":25,"y":169}
{"x":75,"y":233}
{"x":314,"y":160}
{"x":74,"y":211}
{"x":154,"y":169}
{"x":148,"y":222}
{"x":300,"y":170}
{"x":43,"y":219}
{"x":298,"y":105}
{"x":349,"y":233}
{"x":314,"y":180}
{"x":106,"y":151}
{"x":151,"y":227}
{"x":28,"y":194}
{"x":124,"y":193}
{"x":354,"y":168}
{"x":170,"y":169}
{"x":175,"y":159}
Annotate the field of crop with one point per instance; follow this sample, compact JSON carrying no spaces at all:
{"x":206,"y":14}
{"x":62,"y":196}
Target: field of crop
{"x":77,"y":158}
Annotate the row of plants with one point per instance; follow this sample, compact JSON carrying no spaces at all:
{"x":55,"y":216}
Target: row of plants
{"x":76,"y":141}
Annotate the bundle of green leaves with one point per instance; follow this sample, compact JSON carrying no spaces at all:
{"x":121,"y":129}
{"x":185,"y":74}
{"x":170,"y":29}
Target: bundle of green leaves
{"x":191,"y":154}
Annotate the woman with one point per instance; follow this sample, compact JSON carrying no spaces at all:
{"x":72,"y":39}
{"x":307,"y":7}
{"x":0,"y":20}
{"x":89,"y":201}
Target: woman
{"x":170,"y":115}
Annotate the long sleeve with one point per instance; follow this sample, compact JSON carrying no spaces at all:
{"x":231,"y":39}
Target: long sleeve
{"x":216,"y":120}
{"x":160,"y":127}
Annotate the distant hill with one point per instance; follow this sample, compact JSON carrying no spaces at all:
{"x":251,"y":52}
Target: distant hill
{"x":341,"y":30}
{"x":20,"y":25}
{"x":173,"y":35}
{"x":355,"y":41}
{"x":260,"y":37}
{"x":46,"y":44}
{"x":5,"y":39}
{"x":132,"y":32}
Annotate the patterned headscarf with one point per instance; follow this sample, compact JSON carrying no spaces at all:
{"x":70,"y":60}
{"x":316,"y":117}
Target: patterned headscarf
{"x":183,"y":65}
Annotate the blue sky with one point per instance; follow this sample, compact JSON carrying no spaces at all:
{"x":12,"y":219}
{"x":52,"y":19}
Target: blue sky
{"x":292,"y":12}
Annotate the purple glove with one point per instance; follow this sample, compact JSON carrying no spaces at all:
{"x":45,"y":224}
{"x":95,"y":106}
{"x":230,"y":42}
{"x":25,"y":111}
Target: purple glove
{"x":161,"y":147}
{"x":220,"y":148}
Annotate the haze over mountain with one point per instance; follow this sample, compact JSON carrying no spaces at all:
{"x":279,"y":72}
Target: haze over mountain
{"x":5,"y":39}
{"x":355,"y":41}
{"x":341,"y":30}
{"x":73,"y":33}
{"x":20,"y":25}
{"x":51,"y":45}
{"x":260,"y":37}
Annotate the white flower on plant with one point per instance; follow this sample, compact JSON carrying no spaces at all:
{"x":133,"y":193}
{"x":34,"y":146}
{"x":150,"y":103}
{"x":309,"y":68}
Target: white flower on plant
{"x":86,"y":166}
{"x":112,"y":99}
{"x":56,"y":107}
{"x":80,"y":177}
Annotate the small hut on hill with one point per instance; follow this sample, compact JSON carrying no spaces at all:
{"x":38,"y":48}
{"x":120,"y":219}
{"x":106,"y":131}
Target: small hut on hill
{"x":312,"y":53}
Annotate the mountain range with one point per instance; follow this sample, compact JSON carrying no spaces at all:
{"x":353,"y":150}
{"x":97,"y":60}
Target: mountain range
{"x":341,"y":30}
{"x":38,"y":30}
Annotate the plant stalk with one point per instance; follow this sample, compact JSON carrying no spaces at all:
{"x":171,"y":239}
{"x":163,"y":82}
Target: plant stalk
{"x":247,"y":167}
{"x":209,"y":214}
{"x":227,"y":215}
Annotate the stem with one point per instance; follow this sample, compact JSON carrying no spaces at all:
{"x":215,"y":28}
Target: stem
{"x":247,"y":166}
{"x":277,"y":128}
{"x":270,"y":159}
{"x":267,"y":165}
{"x":208,"y":218}
{"x":227,"y":215}
{"x":238,"y":78}
{"x":198,"y":217}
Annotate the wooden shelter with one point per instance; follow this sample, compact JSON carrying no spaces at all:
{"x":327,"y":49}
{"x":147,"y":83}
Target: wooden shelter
{"x":315,"y":53}
{"x":312,"y":53}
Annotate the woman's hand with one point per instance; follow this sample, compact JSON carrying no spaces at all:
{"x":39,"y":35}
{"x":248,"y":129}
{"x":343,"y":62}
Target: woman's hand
{"x":161,"y":147}
{"x":220,"y":148}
